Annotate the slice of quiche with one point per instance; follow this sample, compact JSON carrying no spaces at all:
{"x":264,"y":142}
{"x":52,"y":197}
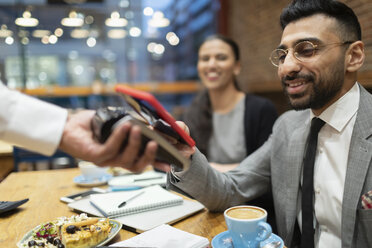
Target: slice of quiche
{"x":85,"y":234}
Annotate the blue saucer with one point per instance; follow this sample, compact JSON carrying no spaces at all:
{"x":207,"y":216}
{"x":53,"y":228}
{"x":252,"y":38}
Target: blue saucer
{"x":223,"y":240}
{"x":81,"y":181}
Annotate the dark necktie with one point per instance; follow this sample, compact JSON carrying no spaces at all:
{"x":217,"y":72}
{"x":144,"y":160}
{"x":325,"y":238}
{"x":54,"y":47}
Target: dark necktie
{"x":307,"y":237}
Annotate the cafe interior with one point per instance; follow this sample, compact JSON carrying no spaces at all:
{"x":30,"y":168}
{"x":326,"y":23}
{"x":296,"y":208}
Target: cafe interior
{"x":73,"y":53}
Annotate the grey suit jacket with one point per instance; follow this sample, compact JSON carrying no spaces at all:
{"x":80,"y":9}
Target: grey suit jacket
{"x":277,"y":164}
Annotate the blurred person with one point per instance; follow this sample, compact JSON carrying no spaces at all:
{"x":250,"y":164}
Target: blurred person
{"x":42,"y":127}
{"x":222,"y":112}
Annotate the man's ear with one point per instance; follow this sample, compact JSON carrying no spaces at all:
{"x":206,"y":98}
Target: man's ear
{"x":354,"y":56}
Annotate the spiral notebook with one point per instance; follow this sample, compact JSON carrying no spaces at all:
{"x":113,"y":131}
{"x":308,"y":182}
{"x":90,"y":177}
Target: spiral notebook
{"x":122,"y":203}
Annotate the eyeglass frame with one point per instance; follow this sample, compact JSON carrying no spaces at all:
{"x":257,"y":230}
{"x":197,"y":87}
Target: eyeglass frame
{"x":316,"y":47}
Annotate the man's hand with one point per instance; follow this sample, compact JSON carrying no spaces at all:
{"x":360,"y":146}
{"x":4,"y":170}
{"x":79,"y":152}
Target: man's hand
{"x":77,"y":140}
{"x":185,"y":150}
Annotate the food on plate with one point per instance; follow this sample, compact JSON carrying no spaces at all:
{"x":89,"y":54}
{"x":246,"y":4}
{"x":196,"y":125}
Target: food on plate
{"x":86,"y":233}
{"x":79,"y":231}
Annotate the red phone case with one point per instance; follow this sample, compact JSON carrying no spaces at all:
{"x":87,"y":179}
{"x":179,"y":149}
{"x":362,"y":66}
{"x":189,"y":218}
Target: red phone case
{"x":160,"y":110}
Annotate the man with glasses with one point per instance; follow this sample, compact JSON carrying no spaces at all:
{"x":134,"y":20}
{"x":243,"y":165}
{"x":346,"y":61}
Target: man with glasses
{"x":317,"y":60}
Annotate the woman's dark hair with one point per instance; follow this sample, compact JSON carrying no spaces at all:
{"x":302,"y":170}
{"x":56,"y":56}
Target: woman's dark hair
{"x":349,"y":27}
{"x":234,"y":46}
{"x":198,"y":117}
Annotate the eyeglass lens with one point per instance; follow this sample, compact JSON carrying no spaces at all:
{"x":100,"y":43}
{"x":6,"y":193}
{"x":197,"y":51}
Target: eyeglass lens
{"x":302,"y":51}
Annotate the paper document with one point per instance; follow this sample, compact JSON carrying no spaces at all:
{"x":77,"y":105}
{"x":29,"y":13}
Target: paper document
{"x":165,"y":236}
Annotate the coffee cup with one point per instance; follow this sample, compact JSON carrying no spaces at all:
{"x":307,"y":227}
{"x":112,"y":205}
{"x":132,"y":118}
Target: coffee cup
{"x":91,"y":172}
{"x":247,"y":225}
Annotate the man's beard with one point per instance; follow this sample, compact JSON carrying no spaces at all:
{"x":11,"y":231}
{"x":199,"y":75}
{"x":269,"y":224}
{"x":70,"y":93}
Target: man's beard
{"x":323,"y":91}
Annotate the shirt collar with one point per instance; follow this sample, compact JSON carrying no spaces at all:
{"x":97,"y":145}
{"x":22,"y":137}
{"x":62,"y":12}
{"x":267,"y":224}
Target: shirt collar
{"x":340,"y":113}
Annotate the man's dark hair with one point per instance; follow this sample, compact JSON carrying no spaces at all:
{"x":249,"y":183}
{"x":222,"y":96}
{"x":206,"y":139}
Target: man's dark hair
{"x":349,"y":27}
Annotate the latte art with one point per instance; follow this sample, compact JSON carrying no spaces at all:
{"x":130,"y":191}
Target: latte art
{"x":245,"y":213}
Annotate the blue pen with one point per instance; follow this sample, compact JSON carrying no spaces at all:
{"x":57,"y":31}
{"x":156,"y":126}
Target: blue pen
{"x":124,"y":188}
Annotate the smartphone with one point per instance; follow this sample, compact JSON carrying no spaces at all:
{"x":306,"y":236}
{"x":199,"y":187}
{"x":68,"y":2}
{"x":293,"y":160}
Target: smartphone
{"x":142,"y":101}
{"x":144,"y":110}
{"x":80,"y":195}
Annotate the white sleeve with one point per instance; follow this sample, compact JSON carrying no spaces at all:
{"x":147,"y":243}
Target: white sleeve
{"x":30,"y":123}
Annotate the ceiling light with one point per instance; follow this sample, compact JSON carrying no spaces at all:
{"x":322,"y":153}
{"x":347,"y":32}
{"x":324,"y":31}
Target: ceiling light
{"x":135,"y":32}
{"x":53,"y":39}
{"x":73,"y":54}
{"x":117,"y":33}
{"x":124,"y":3}
{"x":148,"y":11}
{"x":58,"y":32}
{"x":73,"y":20}
{"x":151,"y":46}
{"x":159,"y":49}
{"x":91,"y":42}
{"x":79,"y":33}
{"x":25,"y":40}
{"x":45,"y":40}
{"x":89,"y":19}
{"x":26,"y":20}
{"x":9,"y":40}
{"x":5,"y":32}
{"x":40,"y":33}
{"x":172,"y":38}
{"x":129,"y":14}
{"x":115,"y":20}
{"x":158,"y":20}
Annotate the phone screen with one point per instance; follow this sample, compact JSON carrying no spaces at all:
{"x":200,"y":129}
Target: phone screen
{"x":80,"y":195}
{"x":146,"y":105}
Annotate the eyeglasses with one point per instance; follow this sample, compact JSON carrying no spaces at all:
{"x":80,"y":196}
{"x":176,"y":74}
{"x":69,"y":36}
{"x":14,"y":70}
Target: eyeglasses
{"x":303,"y":51}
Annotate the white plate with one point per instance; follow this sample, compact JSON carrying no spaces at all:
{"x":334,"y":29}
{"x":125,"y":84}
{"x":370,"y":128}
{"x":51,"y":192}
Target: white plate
{"x":223,"y":240}
{"x":81,"y":181}
{"x":115,"y":228}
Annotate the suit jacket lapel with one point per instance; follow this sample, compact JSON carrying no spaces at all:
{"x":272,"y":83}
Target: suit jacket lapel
{"x":294,"y":168}
{"x":360,"y":154}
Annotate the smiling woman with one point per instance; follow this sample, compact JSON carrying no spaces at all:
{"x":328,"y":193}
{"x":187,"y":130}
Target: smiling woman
{"x":226,"y":123}
{"x":222,"y":112}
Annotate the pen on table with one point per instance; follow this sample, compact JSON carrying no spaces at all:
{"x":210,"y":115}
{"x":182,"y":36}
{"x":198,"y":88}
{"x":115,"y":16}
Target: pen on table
{"x":148,"y":178}
{"x":129,"y":199}
{"x":123,"y":188}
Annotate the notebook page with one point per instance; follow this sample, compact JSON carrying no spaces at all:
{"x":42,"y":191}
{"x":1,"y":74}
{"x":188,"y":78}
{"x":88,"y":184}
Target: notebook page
{"x":153,"y":197}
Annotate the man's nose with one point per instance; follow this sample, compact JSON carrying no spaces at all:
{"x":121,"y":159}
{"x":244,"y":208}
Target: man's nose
{"x":290,"y":64}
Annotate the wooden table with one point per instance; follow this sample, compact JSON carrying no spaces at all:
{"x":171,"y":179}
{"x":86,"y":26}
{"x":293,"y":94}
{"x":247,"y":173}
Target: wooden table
{"x":6,"y":159}
{"x":44,"y":188}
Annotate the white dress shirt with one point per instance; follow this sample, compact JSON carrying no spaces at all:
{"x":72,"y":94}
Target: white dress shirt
{"x":330,"y":168}
{"x":30,"y":123}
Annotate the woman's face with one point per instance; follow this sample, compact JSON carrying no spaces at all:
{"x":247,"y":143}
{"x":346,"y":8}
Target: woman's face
{"x":217,"y":66}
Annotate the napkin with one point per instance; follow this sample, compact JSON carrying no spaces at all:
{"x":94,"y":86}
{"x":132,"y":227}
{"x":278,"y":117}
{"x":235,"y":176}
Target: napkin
{"x":367,"y":200}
